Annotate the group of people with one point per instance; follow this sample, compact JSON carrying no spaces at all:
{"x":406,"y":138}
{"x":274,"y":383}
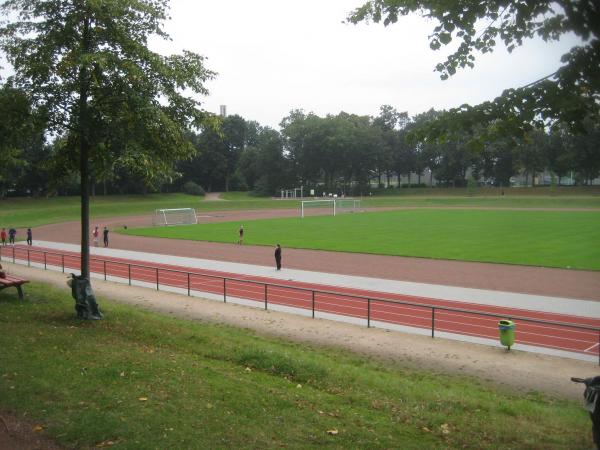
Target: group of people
{"x":12,"y":234}
{"x":96,"y":234}
{"x":277,"y":248}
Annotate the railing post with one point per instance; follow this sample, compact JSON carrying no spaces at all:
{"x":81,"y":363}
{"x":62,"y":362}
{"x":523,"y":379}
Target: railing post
{"x":28,"y":259}
{"x":62,"y":257}
{"x":188,"y":275}
{"x":224,"y":290}
{"x":313,"y":304}
{"x":157,"y":278}
{"x":432,"y":321}
{"x":14,"y":254}
{"x":45,"y":265}
{"x":104,"y":269}
{"x":129,"y":266}
{"x":265,"y":296}
{"x":368,"y":313}
{"x":599,"y":348}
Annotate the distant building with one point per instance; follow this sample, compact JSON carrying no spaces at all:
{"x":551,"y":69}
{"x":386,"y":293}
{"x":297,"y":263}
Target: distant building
{"x":223,"y":110}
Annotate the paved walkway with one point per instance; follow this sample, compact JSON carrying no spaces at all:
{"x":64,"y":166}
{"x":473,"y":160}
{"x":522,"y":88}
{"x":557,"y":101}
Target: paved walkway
{"x":557,"y":305}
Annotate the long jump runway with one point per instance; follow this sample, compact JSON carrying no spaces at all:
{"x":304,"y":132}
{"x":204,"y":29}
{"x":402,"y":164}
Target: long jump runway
{"x":366,"y":301}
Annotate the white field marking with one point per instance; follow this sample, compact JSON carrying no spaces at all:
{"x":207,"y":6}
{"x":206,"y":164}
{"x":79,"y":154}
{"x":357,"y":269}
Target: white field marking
{"x":589,"y":348}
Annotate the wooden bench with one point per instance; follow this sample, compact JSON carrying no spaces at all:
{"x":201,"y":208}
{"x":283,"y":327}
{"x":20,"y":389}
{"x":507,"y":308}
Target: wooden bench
{"x":11,"y":281}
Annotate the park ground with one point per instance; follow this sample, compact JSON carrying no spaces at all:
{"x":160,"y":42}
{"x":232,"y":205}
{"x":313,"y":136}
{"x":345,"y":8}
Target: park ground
{"x":508,"y":372}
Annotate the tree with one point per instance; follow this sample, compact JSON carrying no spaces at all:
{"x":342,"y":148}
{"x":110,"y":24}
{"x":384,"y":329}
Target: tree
{"x":568,"y":95}
{"x":20,"y":130}
{"x":87,"y":65}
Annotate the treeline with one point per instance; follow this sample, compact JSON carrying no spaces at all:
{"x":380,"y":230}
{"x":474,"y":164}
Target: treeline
{"x":340,"y":153}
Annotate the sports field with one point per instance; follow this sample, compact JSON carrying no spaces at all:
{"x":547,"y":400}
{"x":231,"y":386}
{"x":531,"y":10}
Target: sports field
{"x":567,"y":239}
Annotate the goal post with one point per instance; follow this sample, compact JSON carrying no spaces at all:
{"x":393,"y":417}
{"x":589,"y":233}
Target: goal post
{"x":321,"y":204}
{"x":174,"y":216}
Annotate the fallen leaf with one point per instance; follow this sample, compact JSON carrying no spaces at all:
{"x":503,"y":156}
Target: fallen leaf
{"x":332,"y":432}
{"x":105,"y":444}
{"x":299,"y":386}
{"x":143,"y":399}
{"x":426,"y":429}
{"x":38,"y":428}
{"x":445,"y":428}
{"x":248,"y":369}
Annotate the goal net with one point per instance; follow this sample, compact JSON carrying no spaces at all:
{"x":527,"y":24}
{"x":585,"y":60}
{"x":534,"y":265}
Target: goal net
{"x":347,"y":205}
{"x":308,"y":205}
{"x":179,"y":216}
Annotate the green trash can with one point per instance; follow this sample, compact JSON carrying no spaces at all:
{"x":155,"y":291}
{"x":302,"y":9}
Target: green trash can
{"x":507,"y":332}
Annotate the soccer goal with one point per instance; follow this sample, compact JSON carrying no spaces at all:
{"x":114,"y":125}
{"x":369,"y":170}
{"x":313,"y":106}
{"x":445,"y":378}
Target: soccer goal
{"x":307,"y":205}
{"x":347,"y":205}
{"x":178,"y":216}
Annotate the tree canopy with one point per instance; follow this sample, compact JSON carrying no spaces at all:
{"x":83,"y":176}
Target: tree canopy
{"x":86,"y":65}
{"x":566,"y":96}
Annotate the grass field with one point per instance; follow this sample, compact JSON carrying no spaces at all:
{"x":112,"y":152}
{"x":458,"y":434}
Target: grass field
{"x":541,"y":238}
{"x":32,"y":212}
{"x":140,"y":380}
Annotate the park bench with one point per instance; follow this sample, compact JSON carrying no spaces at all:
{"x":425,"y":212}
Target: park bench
{"x":11,"y":281}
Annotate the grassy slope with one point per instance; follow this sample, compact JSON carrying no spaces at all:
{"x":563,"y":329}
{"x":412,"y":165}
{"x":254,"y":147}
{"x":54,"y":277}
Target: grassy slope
{"x":209,"y":386}
{"x":543,"y":238}
{"x":29,"y":212}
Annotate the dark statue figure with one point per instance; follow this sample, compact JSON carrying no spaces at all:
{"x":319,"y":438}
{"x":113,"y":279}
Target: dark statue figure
{"x":85,"y":301}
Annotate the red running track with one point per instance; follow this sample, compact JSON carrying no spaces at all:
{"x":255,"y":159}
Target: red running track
{"x":378,"y":307}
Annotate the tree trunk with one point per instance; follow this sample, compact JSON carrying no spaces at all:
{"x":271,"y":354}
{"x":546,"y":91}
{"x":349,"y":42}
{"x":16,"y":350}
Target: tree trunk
{"x":84,"y":150}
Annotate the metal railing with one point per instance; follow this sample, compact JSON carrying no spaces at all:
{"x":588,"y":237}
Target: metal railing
{"x":227,"y":285}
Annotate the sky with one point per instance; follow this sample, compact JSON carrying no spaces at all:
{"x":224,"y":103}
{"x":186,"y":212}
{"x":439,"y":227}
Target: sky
{"x":273,"y":56}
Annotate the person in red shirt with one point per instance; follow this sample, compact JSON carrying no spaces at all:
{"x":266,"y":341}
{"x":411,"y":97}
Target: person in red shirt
{"x":3,"y":236}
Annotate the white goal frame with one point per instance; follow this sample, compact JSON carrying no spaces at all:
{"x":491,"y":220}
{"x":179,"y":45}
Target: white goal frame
{"x":327,"y":203}
{"x":174,"y":216}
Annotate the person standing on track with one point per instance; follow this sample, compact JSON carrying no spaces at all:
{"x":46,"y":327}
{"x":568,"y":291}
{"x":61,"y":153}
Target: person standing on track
{"x":105,"y":235}
{"x":11,"y":236}
{"x":3,"y":236}
{"x":278,"y":256}
{"x":241,"y":239}
{"x":29,"y":237}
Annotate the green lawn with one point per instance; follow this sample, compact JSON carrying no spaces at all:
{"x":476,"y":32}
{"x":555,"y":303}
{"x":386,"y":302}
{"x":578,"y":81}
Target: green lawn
{"x":541,"y":238}
{"x":145,"y":381}
{"x":32,"y":212}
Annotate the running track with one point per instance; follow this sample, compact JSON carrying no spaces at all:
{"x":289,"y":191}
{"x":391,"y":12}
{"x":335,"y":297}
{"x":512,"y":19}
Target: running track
{"x":382,"y":308}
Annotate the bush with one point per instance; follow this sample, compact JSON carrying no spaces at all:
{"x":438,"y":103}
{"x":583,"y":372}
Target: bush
{"x":193,"y":189}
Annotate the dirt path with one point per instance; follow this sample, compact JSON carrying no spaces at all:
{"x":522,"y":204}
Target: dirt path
{"x":213,"y":197}
{"x":514,"y":370}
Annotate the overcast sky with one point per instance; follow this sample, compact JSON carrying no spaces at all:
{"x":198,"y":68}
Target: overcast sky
{"x":273,"y":56}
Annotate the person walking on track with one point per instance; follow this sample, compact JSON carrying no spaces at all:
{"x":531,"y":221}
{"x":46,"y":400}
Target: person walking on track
{"x":241,"y":239}
{"x":29,"y":237}
{"x":105,"y":235}
{"x":278,"y":257}
{"x":95,"y":234}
